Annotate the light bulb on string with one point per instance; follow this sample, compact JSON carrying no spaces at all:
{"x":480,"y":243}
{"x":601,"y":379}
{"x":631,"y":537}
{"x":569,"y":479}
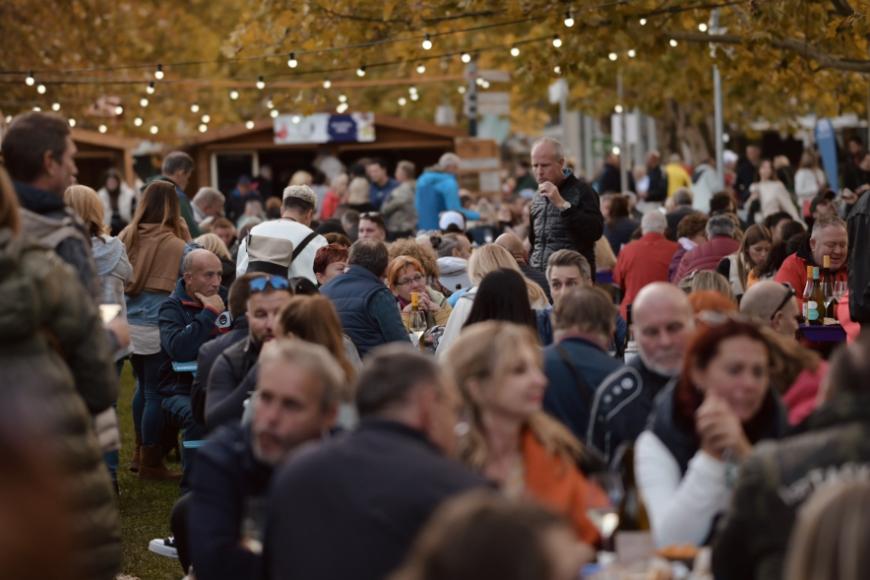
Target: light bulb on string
{"x":291,"y":61}
{"x":412,"y":89}
{"x":138,"y":121}
{"x":673,"y":43}
{"x":150,"y":88}
{"x":557,"y":42}
{"x":270,"y":104}
{"x":632,"y":53}
{"x":466,"y":58}
{"x":702,"y":27}
{"x":342,"y":98}
{"x":480,"y":81}
{"x":274,"y":113}
{"x":158,"y":74}
{"x":194,"y":108}
{"x":234,"y":95}
{"x":206,"y":118}
{"x":154,"y":129}
{"x":29,"y":80}
{"x":618,"y":109}
{"x":460,"y":89}
{"x":415,"y":97}
{"x":102,"y":128}
{"x":427,"y":42}
{"x":261,"y":84}
{"x":37,"y":109}
{"x":421,"y":68}
{"x":249,"y":125}
{"x":41,"y":89}
{"x":327,"y":84}
{"x":569,"y":19}
{"x":55,"y":107}
{"x":615,"y":150}
{"x":341,"y":108}
{"x":402,"y":101}
{"x":642,"y":21}
{"x":361,"y":71}
{"x":203,"y":128}
{"x":72,"y":122}
{"x":119,"y":110}
{"x":557,"y":70}
{"x":613,"y":56}
{"x":515,"y":51}
{"x":143,"y":102}
{"x":296,"y":119}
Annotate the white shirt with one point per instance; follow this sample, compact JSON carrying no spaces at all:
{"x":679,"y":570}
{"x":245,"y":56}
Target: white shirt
{"x":291,"y":230}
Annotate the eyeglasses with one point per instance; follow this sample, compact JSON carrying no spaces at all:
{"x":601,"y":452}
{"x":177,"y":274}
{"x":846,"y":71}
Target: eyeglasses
{"x":268,"y":282}
{"x":788,"y":296}
{"x":412,"y":280}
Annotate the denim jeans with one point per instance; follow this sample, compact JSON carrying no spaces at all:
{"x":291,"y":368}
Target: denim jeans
{"x":178,"y":407}
{"x":147,"y":411}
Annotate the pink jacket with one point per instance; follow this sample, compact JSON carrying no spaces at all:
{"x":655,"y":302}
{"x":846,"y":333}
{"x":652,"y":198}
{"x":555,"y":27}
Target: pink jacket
{"x":802,"y":397}
{"x":706,"y":256}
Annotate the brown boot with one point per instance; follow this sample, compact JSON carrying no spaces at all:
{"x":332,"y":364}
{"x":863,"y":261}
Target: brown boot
{"x":134,"y":462}
{"x":151,"y":464}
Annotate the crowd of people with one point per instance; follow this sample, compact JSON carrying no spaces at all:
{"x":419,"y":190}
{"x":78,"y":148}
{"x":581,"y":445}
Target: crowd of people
{"x":393,"y":378}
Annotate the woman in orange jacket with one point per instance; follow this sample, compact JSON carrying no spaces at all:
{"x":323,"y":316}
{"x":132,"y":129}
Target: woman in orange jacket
{"x":510,"y":440}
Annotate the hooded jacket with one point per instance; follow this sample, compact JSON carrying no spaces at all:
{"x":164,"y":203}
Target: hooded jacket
{"x":859,"y":267}
{"x":114,"y":270}
{"x":706,"y":256}
{"x":438,"y":191}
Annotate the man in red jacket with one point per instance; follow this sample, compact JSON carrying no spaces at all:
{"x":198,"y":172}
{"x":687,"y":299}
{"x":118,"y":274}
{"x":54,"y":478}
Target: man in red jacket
{"x":720,"y":243}
{"x":644,"y":261}
{"x":829,"y":238}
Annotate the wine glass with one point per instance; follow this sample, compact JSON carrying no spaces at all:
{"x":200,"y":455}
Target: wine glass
{"x":840,"y":289}
{"x":417,"y":324}
{"x":603,"y":510}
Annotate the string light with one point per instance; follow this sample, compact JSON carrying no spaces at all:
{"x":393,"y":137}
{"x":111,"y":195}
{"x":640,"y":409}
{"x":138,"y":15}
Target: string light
{"x":480,"y":81}
{"x":206,"y":118}
{"x":138,"y":121}
{"x":158,"y":74}
{"x":143,"y":102}
{"x":702,"y":27}
{"x":421,"y":68}
{"x":234,"y":95}
{"x":632,"y":53}
{"x":270,"y":104}
{"x":150,"y":88}
{"x":361,"y":71}
{"x":154,"y":130}
{"x":673,"y":42}
{"x":296,"y":119}
{"x":613,"y":56}
{"x":341,"y":108}
{"x":273,"y":113}
{"x":203,"y":128}
{"x":292,"y":62}
{"x":557,"y":42}
{"x":37,"y":109}
{"x":557,"y":70}
{"x":466,"y":58}
{"x":460,"y":90}
{"x":194,"y":108}
{"x":403,"y":101}
{"x":643,"y":21}
{"x":412,"y":90}
{"x":41,"y":89}
{"x":327,"y":84}
{"x":515,"y":52}
{"x":615,"y":150}
{"x":618,"y":109}
{"x":55,"y":107}
{"x":415,"y":97}
{"x":249,"y":125}
{"x":261,"y":84}
{"x":342,"y":98}
{"x":119,"y":110}
{"x":427,"y":42}
{"x":102,"y":128}
{"x":569,"y":19}
{"x":72,"y":122}
{"x":30,"y":80}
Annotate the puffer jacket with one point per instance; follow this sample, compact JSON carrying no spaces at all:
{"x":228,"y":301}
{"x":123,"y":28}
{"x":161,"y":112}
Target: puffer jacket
{"x":53,"y":351}
{"x":398,"y":209}
{"x":576,"y":228}
{"x":706,"y":256}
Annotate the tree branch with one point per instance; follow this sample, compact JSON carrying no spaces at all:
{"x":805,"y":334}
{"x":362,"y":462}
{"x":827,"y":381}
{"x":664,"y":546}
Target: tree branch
{"x":842,"y":7}
{"x":796,"y":46}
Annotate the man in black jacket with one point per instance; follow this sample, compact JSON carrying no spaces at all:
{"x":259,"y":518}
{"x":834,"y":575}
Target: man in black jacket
{"x":227,"y":388}
{"x":295,"y":403}
{"x":565,"y":213}
{"x":352,"y":507}
{"x":832,"y":446}
{"x":859,"y":270}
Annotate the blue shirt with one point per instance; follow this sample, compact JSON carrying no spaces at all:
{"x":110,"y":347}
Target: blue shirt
{"x":378,"y":193}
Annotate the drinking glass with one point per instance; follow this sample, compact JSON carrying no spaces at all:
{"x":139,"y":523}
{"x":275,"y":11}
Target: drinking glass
{"x":417,"y":324}
{"x":603,"y":510}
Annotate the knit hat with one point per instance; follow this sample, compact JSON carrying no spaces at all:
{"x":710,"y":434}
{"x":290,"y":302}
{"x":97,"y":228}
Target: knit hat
{"x":302,"y":192}
{"x":270,"y":255}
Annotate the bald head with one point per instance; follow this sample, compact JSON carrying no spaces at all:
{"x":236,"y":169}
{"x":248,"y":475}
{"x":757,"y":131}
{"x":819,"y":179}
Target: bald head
{"x":663,"y":324}
{"x":548,"y":158}
{"x":202,"y":273}
{"x":514,"y":245}
{"x":774,"y":304}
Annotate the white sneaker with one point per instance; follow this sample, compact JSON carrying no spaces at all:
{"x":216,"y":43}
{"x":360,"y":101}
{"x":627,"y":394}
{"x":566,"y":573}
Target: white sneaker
{"x":164,"y":547}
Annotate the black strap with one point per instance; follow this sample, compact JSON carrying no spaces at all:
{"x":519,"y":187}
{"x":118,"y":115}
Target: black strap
{"x":298,"y":249}
{"x":581,"y":384}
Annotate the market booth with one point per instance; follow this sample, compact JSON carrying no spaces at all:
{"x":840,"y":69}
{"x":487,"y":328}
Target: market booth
{"x":291,"y":142}
{"x":98,"y":152}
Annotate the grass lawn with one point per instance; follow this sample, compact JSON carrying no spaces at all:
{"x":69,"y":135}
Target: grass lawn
{"x":145,"y":505}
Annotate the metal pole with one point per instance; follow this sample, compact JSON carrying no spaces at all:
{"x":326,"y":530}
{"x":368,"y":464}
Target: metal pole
{"x":471,"y":97}
{"x":717,"y":103}
{"x":623,"y":146}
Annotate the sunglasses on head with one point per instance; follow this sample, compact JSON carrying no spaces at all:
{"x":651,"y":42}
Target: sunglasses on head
{"x":788,"y":296}
{"x":268,"y":282}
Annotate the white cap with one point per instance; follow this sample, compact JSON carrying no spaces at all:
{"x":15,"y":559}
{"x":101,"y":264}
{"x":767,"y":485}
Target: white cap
{"x":451,"y":217}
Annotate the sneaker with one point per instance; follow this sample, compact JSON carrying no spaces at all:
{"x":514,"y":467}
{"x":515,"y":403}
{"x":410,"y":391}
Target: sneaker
{"x":164,"y":547}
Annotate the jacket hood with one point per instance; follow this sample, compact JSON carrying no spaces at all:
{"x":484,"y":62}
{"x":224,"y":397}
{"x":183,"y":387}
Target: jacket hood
{"x":433,"y":177}
{"x":110,"y":256}
{"x":38,"y":200}
{"x":452,"y":266}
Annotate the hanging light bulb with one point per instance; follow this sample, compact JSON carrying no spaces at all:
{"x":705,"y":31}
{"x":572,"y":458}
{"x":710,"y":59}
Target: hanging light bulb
{"x":296,"y":119}
{"x":194,"y":108}
{"x":249,"y":125}
{"x":569,"y":19}
{"x":421,"y":68}
{"x":557,"y":70}
{"x":415,"y":97}
{"x":234,"y":95}
{"x":203,"y":128}
{"x":342,"y":98}
{"x":29,"y":80}
{"x":643,"y":21}
{"x":154,"y":130}
{"x":138,"y":121}
{"x":515,"y":52}
{"x":632,"y":53}
{"x":41,"y":89}
{"x":427,"y":42}
{"x":143,"y":102}
{"x":37,"y":109}
{"x":702,"y":27}
{"x":673,"y":42}
{"x":55,"y":107}
{"x":273,"y":113}
{"x":412,"y":90}
{"x":270,"y":104}
{"x":327,"y":84}
{"x":361,"y":71}
{"x":150,"y":88}
{"x":119,"y":110}
{"x":102,"y":128}
{"x":460,"y":90}
{"x":261,"y":84}
{"x":72,"y":122}
{"x":480,"y":81}
{"x":341,"y":108}
{"x":158,"y":74}
{"x":557,"y":42}
{"x":615,"y":150}
{"x":466,"y":58}
{"x":618,"y":109}
{"x":613,"y":56}
{"x":206,"y":118}
{"x":402,"y":101}
{"x":292,"y":62}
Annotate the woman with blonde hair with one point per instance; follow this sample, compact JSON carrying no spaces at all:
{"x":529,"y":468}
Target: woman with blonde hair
{"x":358,"y":195}
{"x":498,"y":369}
{"x":484,"y":260}
{"x":405,"y":275}
{"x":809,"y":180}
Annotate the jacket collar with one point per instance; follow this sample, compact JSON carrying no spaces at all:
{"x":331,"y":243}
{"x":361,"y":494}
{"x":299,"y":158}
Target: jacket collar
{"x":652,"y":236}
{"x":186,"y":299}
{"x":388,"y":426}
{"x":359,"y":271}
{"x":38,"y":200}
{"x":582,"y":341}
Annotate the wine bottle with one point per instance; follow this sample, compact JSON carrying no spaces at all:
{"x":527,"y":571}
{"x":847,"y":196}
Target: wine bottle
{"x":807,"y":295}
{"x":632,"y":512}
{"x":816,"y":305}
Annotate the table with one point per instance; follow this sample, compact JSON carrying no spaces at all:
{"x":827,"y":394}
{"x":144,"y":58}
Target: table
{"x":829,"y":333}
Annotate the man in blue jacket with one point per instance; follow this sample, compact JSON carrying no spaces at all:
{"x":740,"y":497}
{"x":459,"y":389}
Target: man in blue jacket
{"x":438,"y":191}
{"x":187,"y":321}
{"x":367,"y":309}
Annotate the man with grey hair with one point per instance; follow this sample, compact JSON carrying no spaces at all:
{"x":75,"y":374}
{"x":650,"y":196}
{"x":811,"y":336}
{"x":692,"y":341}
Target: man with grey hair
{"x":177,"y":169}
{"x":644,"y":261}
{"x":207,"y":203}
{"x":720,"y":243}
{"x":565,"y":212}
{"x":297,"y":212}
{"x":829,"y":238}
{"x":663,"y":325}
{"x":681,"y":207}
{"x":438,"y":191}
